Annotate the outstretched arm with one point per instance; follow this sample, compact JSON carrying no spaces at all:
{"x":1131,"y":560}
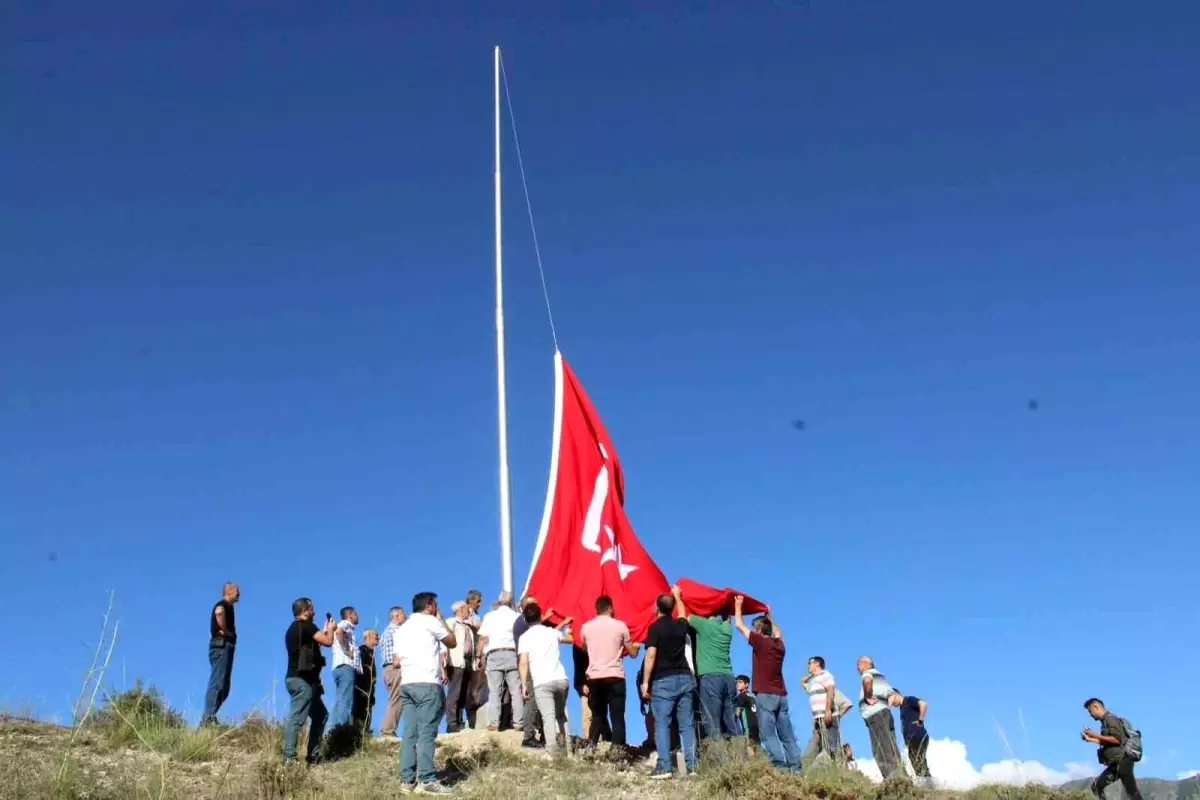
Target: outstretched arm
{"x":738,"y":622}
{"x":677,"y":593}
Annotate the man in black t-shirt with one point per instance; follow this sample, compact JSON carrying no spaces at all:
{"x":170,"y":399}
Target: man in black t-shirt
{"x":670,"y":686}
{"x":222,"y":637}
{"x":747,"y":712}
{"x":304,"y":661}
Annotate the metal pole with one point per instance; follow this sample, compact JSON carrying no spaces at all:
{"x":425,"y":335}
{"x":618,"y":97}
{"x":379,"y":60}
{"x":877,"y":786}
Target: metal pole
{"x":506,"y":549}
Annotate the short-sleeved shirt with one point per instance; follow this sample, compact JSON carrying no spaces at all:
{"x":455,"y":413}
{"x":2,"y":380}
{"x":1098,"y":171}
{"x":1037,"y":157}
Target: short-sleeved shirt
{"x":542,"y":646}
{"x":1111,"y":725}
{"x":669,"y":638}
{"x":880,"y":689}
{"x":714,"y":637}
{"x":767,"y":664}
{"x":497,"y":626}
{"x":214,"y":630}
{"x":520,"y":626}
{"x":819,"y":687}
{"x":298,"y":637}
{"x":910,"y":712}
{"x":385,"y":643}
{"x":605,"y":639}
{"x":747,"y":712}
{"x":418,"y":643}
{"x":340,"y":657}
{"x":841,"y":703}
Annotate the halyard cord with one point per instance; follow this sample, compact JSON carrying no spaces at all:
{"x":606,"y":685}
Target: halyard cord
{"x":528,"y":204}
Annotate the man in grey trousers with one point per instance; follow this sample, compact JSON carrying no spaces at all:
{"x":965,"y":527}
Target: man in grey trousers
{"x":500,"y":661}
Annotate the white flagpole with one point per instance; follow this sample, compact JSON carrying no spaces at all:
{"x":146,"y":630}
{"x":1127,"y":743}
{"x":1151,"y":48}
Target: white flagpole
{"x":506,"y":549}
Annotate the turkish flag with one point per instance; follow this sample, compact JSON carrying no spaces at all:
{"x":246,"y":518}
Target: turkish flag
{"x":586,"y":546}
{"x":706,"y":601}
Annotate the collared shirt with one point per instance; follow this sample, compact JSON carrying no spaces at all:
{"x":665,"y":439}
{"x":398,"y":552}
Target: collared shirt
{"x":819,"y":687}
{"x":419,"y":645}
{"x":1110,"y":725}
{"x":497,"y":626}
{"x":340,"y":657}
{"x":386,"y":646}
{"x":880,"y":689}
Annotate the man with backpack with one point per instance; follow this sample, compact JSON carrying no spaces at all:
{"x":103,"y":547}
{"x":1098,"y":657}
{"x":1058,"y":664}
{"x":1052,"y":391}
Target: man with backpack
{"x":1120,"y":748}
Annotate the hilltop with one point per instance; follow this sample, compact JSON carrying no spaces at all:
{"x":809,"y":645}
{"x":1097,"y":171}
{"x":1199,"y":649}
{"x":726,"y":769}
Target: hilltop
{"x":130,"y":754}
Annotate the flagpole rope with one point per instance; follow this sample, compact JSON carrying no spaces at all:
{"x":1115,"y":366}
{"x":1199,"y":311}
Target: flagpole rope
{"x":537,"y":252}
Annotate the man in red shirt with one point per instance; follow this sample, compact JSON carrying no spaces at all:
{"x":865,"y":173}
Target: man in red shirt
{"x":770,"y":691}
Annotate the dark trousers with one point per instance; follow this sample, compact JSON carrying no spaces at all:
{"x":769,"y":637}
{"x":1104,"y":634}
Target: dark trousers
{"x":717,"y":717}
{"x":881,"y":727}
{"x":364,"y":701}
{"x":1121,"y":771}
{"x":606,"y":697}
{"x":220,"y":659}
{"x":458,"y":682}
{"x":916,"y":755}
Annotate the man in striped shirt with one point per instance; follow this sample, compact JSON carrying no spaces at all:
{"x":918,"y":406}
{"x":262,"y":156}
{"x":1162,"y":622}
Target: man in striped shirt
{"x":822,"y":692}
{"x":391,"y":674}
{"x":877,"y":714}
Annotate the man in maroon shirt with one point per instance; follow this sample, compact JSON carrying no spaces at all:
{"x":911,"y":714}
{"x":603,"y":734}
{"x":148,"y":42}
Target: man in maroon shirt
{"x":770,"y":692}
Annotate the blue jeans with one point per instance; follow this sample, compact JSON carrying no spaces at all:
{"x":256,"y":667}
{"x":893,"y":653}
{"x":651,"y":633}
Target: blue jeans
{"x":775,"y":730}
{"x":423,"y":707}
{"x":717,"y":690}
{"x":343,"y":695}
{"x":673,"y":695}
{"x":220,"y":659}
{"x":306,"y":704}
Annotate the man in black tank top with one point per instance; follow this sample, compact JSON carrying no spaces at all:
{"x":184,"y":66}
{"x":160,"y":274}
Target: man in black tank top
{"x":222,"y":638}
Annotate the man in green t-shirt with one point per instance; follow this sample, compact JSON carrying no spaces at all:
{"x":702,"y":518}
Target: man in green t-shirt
{"x":717,"y":687}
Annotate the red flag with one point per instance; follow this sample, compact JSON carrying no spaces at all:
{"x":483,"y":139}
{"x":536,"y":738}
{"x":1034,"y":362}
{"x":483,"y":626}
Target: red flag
{"x":705,"y":601}
{"x":586,"y":547}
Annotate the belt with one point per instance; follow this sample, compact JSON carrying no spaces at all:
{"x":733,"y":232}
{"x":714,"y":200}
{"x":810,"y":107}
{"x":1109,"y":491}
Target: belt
{"x":502,"y":650}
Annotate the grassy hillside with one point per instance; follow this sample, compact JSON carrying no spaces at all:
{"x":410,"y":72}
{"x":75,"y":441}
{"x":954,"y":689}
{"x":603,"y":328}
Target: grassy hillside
{"x":136,"y":747}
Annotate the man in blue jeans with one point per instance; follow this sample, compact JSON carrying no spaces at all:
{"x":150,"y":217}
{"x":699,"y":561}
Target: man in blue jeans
{"x":418,"y":645}
{"x":668,"y":684}
{"x":714,"y":638}
{"x":347,"y":664}
{"x":303,"y":681}
{"x":222,"y":637}
{"x":770,"y":690}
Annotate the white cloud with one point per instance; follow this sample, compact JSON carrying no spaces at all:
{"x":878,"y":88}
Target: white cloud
{"x":952,"y":769}
{"x":1191,"y":773}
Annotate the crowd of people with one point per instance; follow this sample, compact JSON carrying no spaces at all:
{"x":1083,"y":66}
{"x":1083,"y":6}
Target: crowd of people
{"x":507,"y":665}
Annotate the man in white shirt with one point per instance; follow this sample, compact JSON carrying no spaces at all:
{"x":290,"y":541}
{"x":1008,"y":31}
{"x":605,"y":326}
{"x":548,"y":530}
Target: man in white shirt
{"x":419,"y":645}
{"x":500,"y":661}
{"x":543,"y":677}
{"x":346,"y":666}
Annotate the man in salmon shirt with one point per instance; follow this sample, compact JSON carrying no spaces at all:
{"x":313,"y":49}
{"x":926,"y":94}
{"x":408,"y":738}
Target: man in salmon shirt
{"x":607,"y":641}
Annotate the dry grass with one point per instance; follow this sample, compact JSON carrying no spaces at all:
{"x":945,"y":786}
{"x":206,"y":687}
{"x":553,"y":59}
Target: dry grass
{"x":242,"y":763}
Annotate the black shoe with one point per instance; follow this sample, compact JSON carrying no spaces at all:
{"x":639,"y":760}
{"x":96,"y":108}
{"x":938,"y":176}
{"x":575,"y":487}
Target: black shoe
{"x":532,"y":744}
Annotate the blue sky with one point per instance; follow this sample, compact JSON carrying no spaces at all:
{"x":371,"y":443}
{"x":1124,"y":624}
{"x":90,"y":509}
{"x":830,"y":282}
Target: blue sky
{"x":246,"y":329}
